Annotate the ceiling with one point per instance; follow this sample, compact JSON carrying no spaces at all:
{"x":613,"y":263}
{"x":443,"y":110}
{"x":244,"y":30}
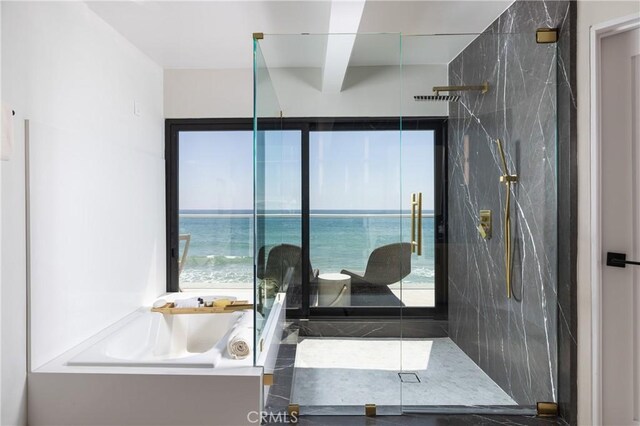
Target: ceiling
{"x":217,"y":34}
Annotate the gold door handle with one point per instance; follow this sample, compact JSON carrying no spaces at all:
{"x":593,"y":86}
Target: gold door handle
{"x":413,"y":222}
{"x":416,"y":228}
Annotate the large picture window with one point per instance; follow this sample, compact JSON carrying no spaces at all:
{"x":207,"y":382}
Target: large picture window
{"x":361,"y":174}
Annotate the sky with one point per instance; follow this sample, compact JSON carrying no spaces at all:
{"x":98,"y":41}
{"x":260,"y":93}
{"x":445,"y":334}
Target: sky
{"x":348,"y":170}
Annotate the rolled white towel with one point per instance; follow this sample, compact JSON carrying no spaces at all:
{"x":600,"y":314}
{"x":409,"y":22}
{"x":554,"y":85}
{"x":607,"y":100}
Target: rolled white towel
{"x":241,"y":337}
{"x":240,"y":342}
{"x":191,"y":302}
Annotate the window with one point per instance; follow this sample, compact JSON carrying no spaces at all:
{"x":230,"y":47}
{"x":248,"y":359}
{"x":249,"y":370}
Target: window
{"x":361,"y":174}
{"x":212,"y":213}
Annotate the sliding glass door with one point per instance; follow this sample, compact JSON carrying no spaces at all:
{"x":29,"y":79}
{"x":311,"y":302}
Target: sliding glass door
{"x":354,"y":196}
{"x":341,"y":191}
{"x":362,"y":223}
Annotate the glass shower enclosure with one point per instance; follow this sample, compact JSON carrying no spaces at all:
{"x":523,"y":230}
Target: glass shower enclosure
{"x":405,"y":219}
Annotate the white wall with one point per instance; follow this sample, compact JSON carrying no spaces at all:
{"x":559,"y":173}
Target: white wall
{"x":1,"y":322}
{"x":13,"y":269}
{"x":98,"y":183}
{"x":208,"y":93}
{"x":589,"y":13}
{"x":367,"y":91}
{"x":13,"y":330}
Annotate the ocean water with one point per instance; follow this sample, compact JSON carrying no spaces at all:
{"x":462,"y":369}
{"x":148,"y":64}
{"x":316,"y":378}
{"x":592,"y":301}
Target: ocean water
{"x":221,"y":248}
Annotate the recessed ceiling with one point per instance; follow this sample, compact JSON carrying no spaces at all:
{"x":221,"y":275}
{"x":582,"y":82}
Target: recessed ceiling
{"x":217,"y":34}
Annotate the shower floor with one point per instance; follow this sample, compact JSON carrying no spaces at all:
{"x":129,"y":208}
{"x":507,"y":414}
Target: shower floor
{"x":343,"y":372}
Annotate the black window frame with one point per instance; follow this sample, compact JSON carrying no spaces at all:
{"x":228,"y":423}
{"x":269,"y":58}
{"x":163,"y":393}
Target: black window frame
{"x":439,"y":125}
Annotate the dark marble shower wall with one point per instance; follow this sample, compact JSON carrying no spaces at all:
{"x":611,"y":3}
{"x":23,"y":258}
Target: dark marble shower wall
{"x":513,"y":340}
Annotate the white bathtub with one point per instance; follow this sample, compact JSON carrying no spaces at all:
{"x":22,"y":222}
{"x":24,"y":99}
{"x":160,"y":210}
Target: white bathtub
{"x":152,"y":339}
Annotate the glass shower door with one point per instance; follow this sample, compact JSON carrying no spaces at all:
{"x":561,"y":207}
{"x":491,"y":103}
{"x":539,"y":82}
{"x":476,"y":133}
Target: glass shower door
{"x":347,"y":347}
{"x":498,"y":349}
{"x":355,"y":220}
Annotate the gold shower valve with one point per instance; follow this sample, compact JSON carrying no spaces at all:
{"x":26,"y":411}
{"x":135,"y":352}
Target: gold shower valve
{"x":485,"y":226}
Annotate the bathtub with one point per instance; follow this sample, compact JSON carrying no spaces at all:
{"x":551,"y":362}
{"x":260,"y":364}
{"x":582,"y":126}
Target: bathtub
{"x":151,"y":339}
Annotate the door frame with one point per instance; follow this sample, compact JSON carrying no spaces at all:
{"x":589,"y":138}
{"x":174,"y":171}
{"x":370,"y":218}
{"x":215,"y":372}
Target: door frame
{"x":596,"y":35}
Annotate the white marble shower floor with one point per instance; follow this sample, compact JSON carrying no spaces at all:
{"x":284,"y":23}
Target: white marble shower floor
{"x":354,"y":371}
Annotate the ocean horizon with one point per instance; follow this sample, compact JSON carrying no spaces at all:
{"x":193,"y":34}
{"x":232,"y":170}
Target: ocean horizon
{"x":221,"y":248}
{"x":283,"y":213}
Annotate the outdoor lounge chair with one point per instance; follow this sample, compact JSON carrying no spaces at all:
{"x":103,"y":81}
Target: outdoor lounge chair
{"x":386,"y":265}
{"x":283,"y":264}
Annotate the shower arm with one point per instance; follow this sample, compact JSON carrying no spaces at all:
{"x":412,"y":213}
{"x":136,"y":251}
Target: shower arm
{"x":483,"y":88}
{"x":507,"y":179}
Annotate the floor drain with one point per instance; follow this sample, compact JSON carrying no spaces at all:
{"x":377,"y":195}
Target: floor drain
{"x":409,"y":378}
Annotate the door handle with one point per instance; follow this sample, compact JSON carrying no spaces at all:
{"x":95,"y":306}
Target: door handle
{"x":619,"y":260}
{"x":416,"y":229}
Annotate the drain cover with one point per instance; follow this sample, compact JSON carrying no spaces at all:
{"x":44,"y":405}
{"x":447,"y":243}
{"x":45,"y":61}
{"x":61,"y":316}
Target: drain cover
{"x":409,"y":378}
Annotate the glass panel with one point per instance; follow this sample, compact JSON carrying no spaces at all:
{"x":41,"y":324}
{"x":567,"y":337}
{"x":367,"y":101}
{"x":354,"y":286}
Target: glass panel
{"x":419,"y":177}
{"x":355,"y":220}
{"x":497,"y":351}
{"x":353,"y":209}
{"x":277,"y":180}
{"x":216,"y":210}
{"x":279,"y":220}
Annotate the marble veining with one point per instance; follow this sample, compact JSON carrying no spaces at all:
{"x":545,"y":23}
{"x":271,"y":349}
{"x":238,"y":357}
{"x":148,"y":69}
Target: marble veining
{"x":513,"y":340}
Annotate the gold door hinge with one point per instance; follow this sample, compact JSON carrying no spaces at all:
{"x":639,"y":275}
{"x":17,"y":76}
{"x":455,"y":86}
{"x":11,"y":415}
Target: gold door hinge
{"x":546,"y":35}
{"x":547,"y":409}
{"x":258,"y":36}
{"x":267,"y":379}
{"x":370,"y":410}
{"x":294,"y":412}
